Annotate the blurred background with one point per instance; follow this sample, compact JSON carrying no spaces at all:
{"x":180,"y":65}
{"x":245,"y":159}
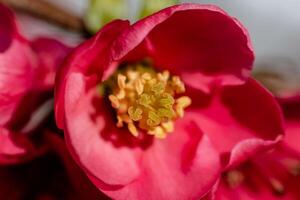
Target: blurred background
{"x":274,"y":27}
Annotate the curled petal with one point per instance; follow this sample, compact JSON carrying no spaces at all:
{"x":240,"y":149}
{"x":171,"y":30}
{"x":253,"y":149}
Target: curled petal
{"x":210,"y":46}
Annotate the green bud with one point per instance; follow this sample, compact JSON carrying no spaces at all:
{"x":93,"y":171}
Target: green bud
{"x":101,"y":12}
{"x":151,"y":6}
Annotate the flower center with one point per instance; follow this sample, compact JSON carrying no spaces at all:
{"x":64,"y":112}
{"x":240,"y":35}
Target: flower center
{"x":146,"y":99}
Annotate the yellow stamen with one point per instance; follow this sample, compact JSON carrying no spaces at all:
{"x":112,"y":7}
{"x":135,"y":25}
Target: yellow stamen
{"x":181,"y":104}
{"x":179,"y":111}
{"x":114,"y":101}
{"x":153,"y":119}
{"x":145,"y":98}
{"x":120,"y":121}
{"x":168,"y":126}
{"x":121,"y":81}
{"x":146,"y":76}
{"x":132,"y":129}
{"x":178,"y":84}
{"x":158,"y":88}
{"x":135,"y":113}
{"x":184,"y":101}
{"x":139,"y":86}
{"x":163,"y":76}
{"x":158,"y":132}
{"x":121,"y":94}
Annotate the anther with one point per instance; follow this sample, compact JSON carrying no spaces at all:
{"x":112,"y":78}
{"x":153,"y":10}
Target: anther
{"x":132,"y":75}
{"x":120,"y":121}
{"x":158,"y":88}
{"x":132,"y":129}
{"x":135,"y":113}
{"x":158,"y":132}
{"x":153,"y":119}
{"x":121,"y":94}
{"x":139,"y":86}
{"x":144,"y":100}
{"x":146,"y":76}
{"x":178,"y":84}
{"x":168,"y":126}
{"x":114,"y":101}
{"x":183,"y":101}
{"x":121,"y":81}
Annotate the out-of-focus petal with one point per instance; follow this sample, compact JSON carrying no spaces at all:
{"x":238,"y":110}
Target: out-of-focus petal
{"x":291,"y":109}
{"x":16,"y":77}
{"x":78,"y":180}
{"x":50,"y":53}
{"x":8,"y":28}
{"x":16,"y":65}
{"x":15,"y":148}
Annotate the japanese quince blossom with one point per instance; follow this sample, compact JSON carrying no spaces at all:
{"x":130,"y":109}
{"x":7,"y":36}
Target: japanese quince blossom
{"x":27,"y":74}
{"x":273,"y":175}
{"x":52,"y":176}
{"x":157,"y":109}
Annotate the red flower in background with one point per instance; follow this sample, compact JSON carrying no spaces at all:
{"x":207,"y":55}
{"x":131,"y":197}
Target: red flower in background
{"x":34,"y":162}
{"x":230,"y":116}
{"x":27,"y":71}
{"x":273,"y":175}
{"x":51,"y":176}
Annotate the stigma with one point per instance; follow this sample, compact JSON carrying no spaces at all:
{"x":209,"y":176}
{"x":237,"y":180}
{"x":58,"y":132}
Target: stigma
{"x":147,"y":100}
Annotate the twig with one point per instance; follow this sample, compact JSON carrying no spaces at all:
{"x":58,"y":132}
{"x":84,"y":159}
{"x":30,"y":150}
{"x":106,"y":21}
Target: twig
{"x":47,"y":11}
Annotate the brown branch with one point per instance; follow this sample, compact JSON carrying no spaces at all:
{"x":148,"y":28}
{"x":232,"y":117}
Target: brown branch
{"x":47,"y":11}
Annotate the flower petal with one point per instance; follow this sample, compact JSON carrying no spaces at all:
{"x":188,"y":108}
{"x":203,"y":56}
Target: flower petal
{"x":16,"y":72}
{"x":51,"y":54}
{"x":210,"y":45}
{"x":247,"y":115}
{"x":291,"y":109}
{"x":272,"y":175}
{"x":80,"y":183}
{"x":7,"y":29}
{"x":42,"y":178}
{"x":86,"y":123}
{"x":182,"y":166}
{"x":86,"y":59}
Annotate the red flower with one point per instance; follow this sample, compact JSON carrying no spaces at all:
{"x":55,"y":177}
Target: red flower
{"x":231,"y":115}
{"x":26,"y":85}
{"x":52,"y":176}
{"x":274,"y":175}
